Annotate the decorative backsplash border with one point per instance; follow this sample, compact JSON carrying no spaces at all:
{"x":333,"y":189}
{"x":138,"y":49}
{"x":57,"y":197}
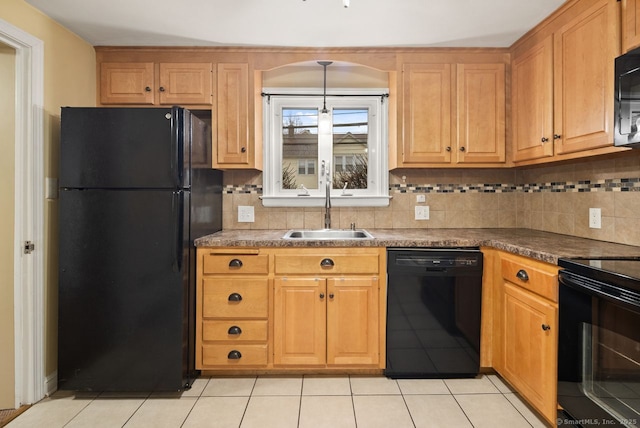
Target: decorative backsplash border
{"x":604,"y":185}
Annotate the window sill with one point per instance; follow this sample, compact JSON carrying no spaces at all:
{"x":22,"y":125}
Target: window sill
{"x":319,"y":201}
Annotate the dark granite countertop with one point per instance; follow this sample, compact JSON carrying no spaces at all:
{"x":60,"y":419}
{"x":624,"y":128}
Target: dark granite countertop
{"x":544,"y":246}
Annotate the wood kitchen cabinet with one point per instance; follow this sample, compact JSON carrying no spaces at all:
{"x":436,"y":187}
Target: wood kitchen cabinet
{"x":562,"y":94}
{"x":290,"y":308}
{"x":630,"y":24}
{"x":473,"y":132}
{"x":525,"y":319}
{"x":232,"y":309}
{"x":232,"y":131}
{"x":327,"y":308}
{"x":148,"y":83}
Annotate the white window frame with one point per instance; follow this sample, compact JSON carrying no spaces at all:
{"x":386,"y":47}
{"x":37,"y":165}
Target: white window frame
{"x":377,"y":192}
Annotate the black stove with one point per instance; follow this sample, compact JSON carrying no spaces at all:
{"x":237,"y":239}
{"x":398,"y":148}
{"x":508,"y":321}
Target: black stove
{"x":599,"y":342}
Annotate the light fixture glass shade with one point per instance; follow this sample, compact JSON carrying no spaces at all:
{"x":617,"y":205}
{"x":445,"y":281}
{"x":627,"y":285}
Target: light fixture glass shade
{"x":345,"y":3}
{"x":324,"y":123}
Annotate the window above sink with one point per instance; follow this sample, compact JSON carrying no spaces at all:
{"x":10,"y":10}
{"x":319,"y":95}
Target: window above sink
{"x":348,"y":146}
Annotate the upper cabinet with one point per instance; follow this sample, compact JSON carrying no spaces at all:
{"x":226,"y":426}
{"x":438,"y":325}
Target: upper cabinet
{"x":630,"y":24}
{"x":563,"y":85}
{"x":453,"y":114}
{"x":233,"y":114}
{"x":146,"y":83}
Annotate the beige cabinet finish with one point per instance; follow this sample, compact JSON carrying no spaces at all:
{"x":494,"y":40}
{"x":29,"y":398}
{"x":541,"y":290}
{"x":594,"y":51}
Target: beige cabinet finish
{"x":630,"y":24}
{"x":327,"y":308}
{"x":136,"y":83}
{"x":525,"y":328}
{"x":473,"y":132}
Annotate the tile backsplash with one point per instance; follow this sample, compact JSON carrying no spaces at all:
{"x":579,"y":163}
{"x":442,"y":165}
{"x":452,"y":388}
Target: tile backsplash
{"x":553,"y":198}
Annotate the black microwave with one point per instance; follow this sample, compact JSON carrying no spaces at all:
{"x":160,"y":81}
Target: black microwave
{"x":627,"y":100}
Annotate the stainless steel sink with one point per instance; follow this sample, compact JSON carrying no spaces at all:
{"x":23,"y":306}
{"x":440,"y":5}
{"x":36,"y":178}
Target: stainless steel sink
{"x":327,"y":234}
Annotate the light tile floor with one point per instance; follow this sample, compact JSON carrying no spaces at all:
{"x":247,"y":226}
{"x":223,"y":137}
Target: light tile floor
{"x":295,"y":401}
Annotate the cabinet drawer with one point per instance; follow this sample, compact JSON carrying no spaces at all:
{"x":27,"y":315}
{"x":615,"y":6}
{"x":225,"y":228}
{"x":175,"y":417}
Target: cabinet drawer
{"x":235,"y":298}
{"x":534,"y":276}
{"x":236,"y":330}
{"x":249,"y":355}
{"x":326,"y":264}
{"x":235,"y":264}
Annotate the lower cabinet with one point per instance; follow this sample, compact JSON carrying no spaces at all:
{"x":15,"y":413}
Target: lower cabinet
{"x":332,"y":321}
{"x":283,"y":308}
{"x":525,"y":320}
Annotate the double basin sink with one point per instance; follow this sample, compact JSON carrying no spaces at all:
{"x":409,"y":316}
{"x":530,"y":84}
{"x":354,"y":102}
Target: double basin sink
{"x":327,"y":234}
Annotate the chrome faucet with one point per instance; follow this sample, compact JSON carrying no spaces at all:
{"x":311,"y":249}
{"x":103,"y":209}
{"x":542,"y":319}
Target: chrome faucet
{"x":327,"y":201}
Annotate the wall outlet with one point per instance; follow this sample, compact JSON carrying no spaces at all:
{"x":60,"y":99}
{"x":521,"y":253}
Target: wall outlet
{"x":245,"y":214}
{"x":422,"y":212}
{"x":420,"y":198}
{"x":595,"y":218}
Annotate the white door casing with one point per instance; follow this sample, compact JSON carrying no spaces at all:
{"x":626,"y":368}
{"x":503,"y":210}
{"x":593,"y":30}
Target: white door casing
{"x":29,"y":214}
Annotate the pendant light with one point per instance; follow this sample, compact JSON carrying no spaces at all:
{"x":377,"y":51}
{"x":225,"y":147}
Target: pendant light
{"x":324,"y":120}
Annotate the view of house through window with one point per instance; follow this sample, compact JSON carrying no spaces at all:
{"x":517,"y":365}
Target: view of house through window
{"x":348,"y":149}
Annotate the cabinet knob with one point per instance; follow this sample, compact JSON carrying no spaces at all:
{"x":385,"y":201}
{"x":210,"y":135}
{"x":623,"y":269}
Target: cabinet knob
{"x":243,"y":149}
{"x":147,"y":89}
{"x":327,"y":263}
{"x":448,"y":148}
{"x":462,"y":149}
{"x":331,"y":296}
{"x":161,"y":88}
{"x":322,"y":295}
{"x":544,"y":139}
{"x":546,"y":327}
{"x":235,"y":263}
{"x":235,"y":330}
{"x":234,"y":355}
{"x":522,"y":275}
{"x":557,"y":136}
{"x":235,"y":297}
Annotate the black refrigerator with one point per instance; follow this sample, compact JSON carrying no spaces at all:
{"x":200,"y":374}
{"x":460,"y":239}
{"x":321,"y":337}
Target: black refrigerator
{"x":136,"y":189}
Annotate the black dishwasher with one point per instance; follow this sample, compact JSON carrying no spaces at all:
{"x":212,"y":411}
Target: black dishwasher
{"x":434,"y":301}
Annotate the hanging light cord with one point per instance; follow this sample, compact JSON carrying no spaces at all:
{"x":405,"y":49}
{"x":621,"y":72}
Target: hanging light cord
{"x":324,"y":92}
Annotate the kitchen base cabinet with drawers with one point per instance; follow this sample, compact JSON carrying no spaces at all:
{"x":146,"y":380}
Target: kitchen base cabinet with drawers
{"x":525,"y":328}
{"x":309,"y":310}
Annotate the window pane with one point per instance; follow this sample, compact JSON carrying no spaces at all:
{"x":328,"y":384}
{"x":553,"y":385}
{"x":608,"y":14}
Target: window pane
{"x":299,"y":148}
{"x":350,"y":147}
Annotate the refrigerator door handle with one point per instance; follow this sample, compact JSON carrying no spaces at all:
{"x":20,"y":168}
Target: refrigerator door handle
{"x":176,"y":208}
{"x":177,"y":129}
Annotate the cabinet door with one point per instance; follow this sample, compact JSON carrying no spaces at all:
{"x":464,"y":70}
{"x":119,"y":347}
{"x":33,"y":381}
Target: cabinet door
{"x":185,"y":83}
{"x":530,"y":347}
{"x":630,"y":24}
{"x":352,"y":321}
{"x":232,"y":116}
{"x":126,"y":83}
{"x":584,"y":52}
{"x":480,"y":113}
{"x":426,"y":113}
{"x":532,"y":110}
{"x":299,"y":324}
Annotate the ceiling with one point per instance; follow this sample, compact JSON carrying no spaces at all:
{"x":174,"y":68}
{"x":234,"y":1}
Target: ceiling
{"x":303,"y":23}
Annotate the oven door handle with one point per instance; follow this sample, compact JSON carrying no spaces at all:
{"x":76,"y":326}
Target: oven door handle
{"x":627,"y":298}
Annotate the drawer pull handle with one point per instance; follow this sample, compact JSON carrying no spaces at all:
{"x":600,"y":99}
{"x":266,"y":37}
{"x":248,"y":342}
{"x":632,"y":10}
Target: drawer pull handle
{"x":235,"y":263}
{"x":234,"y":355}
{"x":235,"y":297}
{"x":327,"y":263}
{"x":523,"y":275}
{"x":235,"y":330}
{"x":546,"y":327}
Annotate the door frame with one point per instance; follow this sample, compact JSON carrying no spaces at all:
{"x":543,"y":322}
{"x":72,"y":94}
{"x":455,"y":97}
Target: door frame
{"x":30,"y":380}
